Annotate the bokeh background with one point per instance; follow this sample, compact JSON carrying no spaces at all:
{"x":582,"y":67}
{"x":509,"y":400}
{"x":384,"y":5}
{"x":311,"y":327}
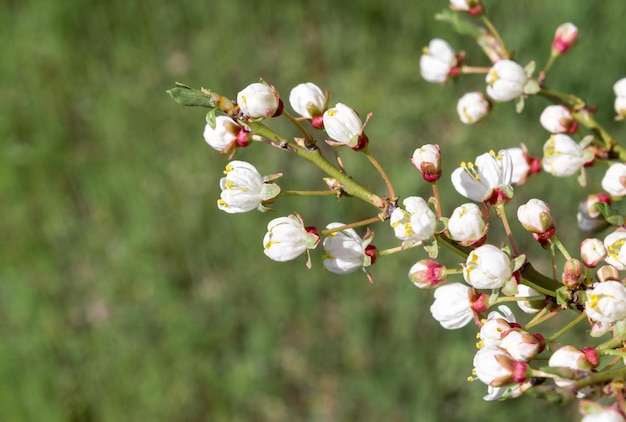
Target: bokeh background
{"x":126,"y":295}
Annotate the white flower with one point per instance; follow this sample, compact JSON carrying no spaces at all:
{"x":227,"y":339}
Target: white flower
{"x":592,"y":252}
{"x":258,"y":100}
{"x":243,"y":188}
{"x":614,"y":180}
{"x":535,"y":216}
{"x":345,"y":251}
{"x":437,"y":60}
{"x":506,"y":80}
{"x":473,"y":107}
{"x":522,"y":345}
{"x":487,"y":267}
{"x":415,"y":223}
{"x":308,"y":100}
{"x":523,"y":164}
{"x":427,"y":274}
{"x":606,"y":301}
{"x":486,"y":180}
{"x":619,"y":88}
{"x":604,"y":414}
{"x":452,"y":307}
{"x":343,"y":125}
{"x":225,"y":135}
{"x":467,"y":224}
{"x":566,"y":37}
{"x":616,"y":253}
{"x":571,"y":357}
{"x":525,"y":305}
{"x":558,"y":119}
{"x":497,"y":324}
{"x":562,"y":156}
{"x":427,"y":159}
{"x":287,"y":238}
{"x":495,"y":367}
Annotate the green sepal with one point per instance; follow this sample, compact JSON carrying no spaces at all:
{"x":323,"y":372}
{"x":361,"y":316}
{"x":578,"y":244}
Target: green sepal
{"x":430,"y":245}
{"x":609,"y":214}
{"x":187,"y":96}
{"x":509,"y":287}
{"x":563,"y":297}
{"x":210,"y":118}
{"x":531,"y":87}
{"x":518,"y":262}
{"x":529,"y":69}
{"x":269,"y":191}
{"x":519,"y":105}
{"x":619,"y":330}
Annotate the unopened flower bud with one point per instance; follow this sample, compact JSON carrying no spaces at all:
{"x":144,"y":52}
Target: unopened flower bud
{"x":558,"y":119}
{"x":287,"y":238}
{"x":619,"y":88}
{"x":573,"y":273}
{"x":566,"y":37}
{"x":496,"y":367}
{"x":614,"y":180}
{"x":497,"y":323}
{"x":535,"y":216}
{"x":615,"y":250}
{"x":438,"y":61}
{"x":259,"y":101}
{"x":524,"y":165}
{"x":467,"y":225}
{"x":592,"y":252}
{"x":529,"y":306}
{"x":346,"y":251}
{"x":427,"y":274}
{"x":344,"y":126}
{"x":606,"y":301}
{"x":562,"y":156}
{"x":522,"y":345}
{"x":473,"y":107}
{"x":427,"y":159}
{"x":452,"y":307}
{"x":506,"y":80}
{"x":473,"y":7}
{"x":487,"y":267}
{"x":308,"y":100}
{"x":226,"y":136}
{"x":607,"y":273}
{"x":571,"y":357}
{"x":594,"y":412}
{"x":589,"y":216}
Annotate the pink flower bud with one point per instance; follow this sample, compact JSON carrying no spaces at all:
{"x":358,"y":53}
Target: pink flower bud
{"x":614,"y":180}
{"x":592,"y":252}
{"x":427,"y":159}
{"x":607,"y":273}
{"x":566,"y":37}
{"x":522,"y":345}
{"x":427,"y":274}
{"x":572,"y":273}
{"x":589,"y":217}
{"x":497,"y":368}
{"x":558,"y":119}
{"x":535,"y":216}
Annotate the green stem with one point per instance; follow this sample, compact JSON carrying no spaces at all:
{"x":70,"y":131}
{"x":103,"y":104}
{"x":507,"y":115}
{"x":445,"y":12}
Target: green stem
{"x":495,"y":34}
{"x":308,"y":193}
{"x":398,"y":249}
{"x":436,"y":195}
{"x":315,"y":157}
{"x":380,"y":170}
{"x":507,"y":228}
{"x":309,"y":141}
{"x":361,"y":223}
{"x":568,"y":327}
{"x":473,"y":69}
{"x":504,"y":299}
{"x":600,"y":378}
{"x":561,"y":247}
{"x":550,"y":62}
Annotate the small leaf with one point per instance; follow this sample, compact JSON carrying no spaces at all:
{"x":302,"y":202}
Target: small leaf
{"x":188,"y":96}
{"x":610,"y":214}
{"x":619,"y":330}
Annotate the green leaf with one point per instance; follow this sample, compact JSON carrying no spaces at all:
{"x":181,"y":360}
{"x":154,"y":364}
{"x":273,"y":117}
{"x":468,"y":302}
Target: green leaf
{"x":188,"y":96}
{"x":610,"y":214}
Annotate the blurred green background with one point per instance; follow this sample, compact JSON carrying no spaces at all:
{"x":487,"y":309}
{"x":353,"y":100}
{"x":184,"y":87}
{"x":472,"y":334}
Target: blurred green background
{"x":126,"y":295}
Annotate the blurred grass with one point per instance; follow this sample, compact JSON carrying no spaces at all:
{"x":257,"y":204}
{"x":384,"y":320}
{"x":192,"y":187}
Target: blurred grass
{"x":126,"y":295}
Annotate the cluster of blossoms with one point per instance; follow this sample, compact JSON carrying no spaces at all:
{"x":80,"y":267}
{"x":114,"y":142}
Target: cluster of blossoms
{"x":513,"y":357}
